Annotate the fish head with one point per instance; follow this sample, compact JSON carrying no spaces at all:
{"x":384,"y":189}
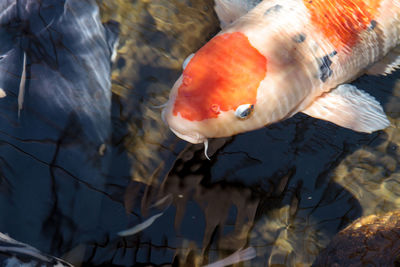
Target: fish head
{"x":216,"y":95}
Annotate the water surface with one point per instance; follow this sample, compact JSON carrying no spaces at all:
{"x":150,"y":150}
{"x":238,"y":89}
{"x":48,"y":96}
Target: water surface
{"x":285,"y":190}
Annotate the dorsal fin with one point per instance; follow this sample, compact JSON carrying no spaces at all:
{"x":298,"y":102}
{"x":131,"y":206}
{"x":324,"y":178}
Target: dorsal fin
{"x":230,"y":10}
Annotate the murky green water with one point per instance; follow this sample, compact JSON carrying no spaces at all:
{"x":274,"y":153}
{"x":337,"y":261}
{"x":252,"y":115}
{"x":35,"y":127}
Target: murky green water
{"x":284,"y":190}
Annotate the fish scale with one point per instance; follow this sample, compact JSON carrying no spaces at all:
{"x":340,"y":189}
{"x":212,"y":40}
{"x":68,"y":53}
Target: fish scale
{"x":373,"y":46}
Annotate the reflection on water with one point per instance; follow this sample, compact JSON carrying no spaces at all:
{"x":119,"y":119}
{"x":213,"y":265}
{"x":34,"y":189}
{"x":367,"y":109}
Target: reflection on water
{"x":147,"y":197}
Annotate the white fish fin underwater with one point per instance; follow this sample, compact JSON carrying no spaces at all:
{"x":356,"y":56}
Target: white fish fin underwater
{"x":21,"y":93}
{"x":22,"y":254}
{"x":2,"y":93}
{"x":230,"y":10}
{"x":239,"y":256}
{"x":141,"y":226}
{"x":111,"y":28}
{"x":387,"y":65}
{"x":351,"y":108}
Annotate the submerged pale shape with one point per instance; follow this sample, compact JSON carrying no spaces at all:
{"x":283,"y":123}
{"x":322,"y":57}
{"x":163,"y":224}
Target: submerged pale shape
{"x":238,"y":256}
{"x":2,"y":93}
{"x":16,"y":250}
{"x":140,"y":227}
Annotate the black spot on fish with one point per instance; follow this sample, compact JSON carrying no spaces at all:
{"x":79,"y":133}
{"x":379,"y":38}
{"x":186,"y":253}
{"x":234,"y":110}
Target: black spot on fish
{"x":373,"y":24}
{"x":299,"y":38}
{"x":325,"y":68}
{"x":334,"y":53}
{"x":273,"y":9}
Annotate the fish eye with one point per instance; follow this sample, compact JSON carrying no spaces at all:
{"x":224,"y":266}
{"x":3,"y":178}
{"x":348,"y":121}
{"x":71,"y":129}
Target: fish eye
{"x":187,"y":60}
{"x":243,"y":111}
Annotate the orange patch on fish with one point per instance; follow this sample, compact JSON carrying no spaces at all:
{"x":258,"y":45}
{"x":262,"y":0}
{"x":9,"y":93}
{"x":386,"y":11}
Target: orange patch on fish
{"x":223,"y":74}
{"x":342,"y":21}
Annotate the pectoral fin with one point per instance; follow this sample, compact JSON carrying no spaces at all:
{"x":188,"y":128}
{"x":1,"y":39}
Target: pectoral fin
{"x":230,"y":10}
{"x":351,"y":108}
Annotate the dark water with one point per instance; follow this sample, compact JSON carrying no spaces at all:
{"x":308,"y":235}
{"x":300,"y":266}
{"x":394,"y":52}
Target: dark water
{"x":73,"y":174}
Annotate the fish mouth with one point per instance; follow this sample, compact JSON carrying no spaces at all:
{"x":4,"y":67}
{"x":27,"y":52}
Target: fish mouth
{"x":194,"y":138}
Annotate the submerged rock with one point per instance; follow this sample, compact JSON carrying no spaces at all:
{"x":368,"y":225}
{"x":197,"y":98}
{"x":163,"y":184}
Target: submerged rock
{"x":369,"y":241}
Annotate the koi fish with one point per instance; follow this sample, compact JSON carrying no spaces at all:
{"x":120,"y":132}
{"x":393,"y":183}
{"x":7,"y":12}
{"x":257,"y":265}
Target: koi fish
{"x":274,"y":58}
